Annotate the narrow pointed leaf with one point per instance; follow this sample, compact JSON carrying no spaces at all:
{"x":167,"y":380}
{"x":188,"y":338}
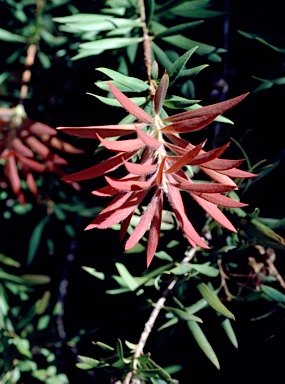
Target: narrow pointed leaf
{"x":183,"y":315}
{"x":132,"y":83}
{"x":129,"y":185}
{"x":140,"y":169}
{"x":222,"y":200}
{"x":210,"y":155}
{"x":185,"y":159}
{"x":189,"y":125}
{"x":132,"y":108}
{"x":14,"y":178}
{"x":203,"y":343}
{"x":161,"y":93}
{"x":218,"y":176}
{"x":178,"y":28}
{"x":222,"y":164}
{"x":126,"y":276}
{"x":214,"y":212}
{"x":179,"y":64}
{"x":188,"y":185}
{"x":102,"y":130}
{"x":237,"y":173}
{"x":214,"y":301}
{"x":209,"y":110}
{"x":122,"y":145}
{"x":154,"y":231}
{"x":143,"y":224}
{"x":101,"y":168}
{"x":227,"y":326}
{"x":150,"y":141}
{"x":18,"y":145}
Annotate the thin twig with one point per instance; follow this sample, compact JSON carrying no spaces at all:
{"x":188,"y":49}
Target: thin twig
{"x":153,"y":316}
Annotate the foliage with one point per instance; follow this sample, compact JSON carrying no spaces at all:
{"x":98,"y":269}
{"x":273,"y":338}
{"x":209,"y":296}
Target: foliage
{"x":194,"y":279}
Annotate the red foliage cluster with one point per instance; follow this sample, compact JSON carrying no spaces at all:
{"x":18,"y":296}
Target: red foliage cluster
{"x":27,"y":148}
{"x":163,"y":154}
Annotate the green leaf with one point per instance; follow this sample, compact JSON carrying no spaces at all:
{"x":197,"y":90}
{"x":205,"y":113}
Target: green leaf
{"x":87,"y":362}
{"x":227,"y":326}
{"x":106,"y":24}
{"x":206,"y":269}
{"x":214,"y":301}
{"x":35,"y":279}
{"x":127,"y":277}
{"x":183,"y":42}
{"x":120,"y":352}
{"x":178,"y":65}
{"x":11,"y":37}
{"x":115,"y":103}
{"x":131,"y":83}
{"x":8,"y":261}
{"x":149,"y":10}
{"x":161,"y":56}
{"x":35,"y":239}
{"x":183,"y":315}
{"x":22,"y":345}
{"x":93,"y":272}
{"x":203,"y":343}
{"x":111,"y":43}
{"x":178,"y":102}
{"x":273,"y":294}
{"x":178,"y":28}
{"x":104,"y":346}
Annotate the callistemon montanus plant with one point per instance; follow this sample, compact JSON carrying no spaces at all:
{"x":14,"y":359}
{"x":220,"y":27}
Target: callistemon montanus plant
{"x":162,"y":155}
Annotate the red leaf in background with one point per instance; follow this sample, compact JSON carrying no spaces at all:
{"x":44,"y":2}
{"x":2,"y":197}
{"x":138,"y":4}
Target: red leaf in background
{"x":12,"y":174}
{"x":42,"y":129}
{"x":160,"y":93}
{"x":143,"y":224}
{"x":21,"y":148}
{"x":209,"y":110}
{"x":131,"y":107}
{"x":154,"y":231}
{"x":102,"y":130}
{"x":214,"y":212}
{"x":125,"y":225}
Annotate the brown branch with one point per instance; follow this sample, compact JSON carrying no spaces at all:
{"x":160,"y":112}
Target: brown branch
{"x":153,"y":316}
{"x":146,"y":47}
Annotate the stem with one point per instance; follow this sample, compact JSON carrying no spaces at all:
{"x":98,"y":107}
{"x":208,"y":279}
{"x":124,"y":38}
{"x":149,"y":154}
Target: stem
{"x":146,"y":47}
{"x":153,"y":316}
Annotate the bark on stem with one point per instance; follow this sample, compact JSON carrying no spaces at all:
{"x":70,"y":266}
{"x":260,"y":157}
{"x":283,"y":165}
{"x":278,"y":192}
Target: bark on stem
{"x":150,"y":323}
{"x":146,"y":47}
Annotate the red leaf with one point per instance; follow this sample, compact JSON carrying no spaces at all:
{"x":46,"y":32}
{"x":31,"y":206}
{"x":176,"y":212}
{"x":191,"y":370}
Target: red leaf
{"x":205,"y":157}
{"x":160,"y":93}
{"x":190,"y":125}
{"x":101,"y":168}
{"x":154,"y":231}
{"x":214,"y":212}
{"x":218,"y":176}
{"x":185,"y":159}
{"x":123,"y":211}
{"x":143,"y":224}
{"x":125,"y":225}
{"x":39,"y":129}
{"x":178,"y":208}
{"x":131,"y":107}
{"x":140,"y":169}
{"x":105,"y":191}
{"x":21,"y":148}
{"x":116,"y":203}
{"x":202,"y":187}
{"x":102,"y":130}
{"x":62,"y":145}
{"x":148,"y":140}
{"x":13,"y":175}
{"x":238,"y":173}
{"x":129,"y":185}
{"x":222,"y":200}
{"x":122,"y":145}
{"x":209,"y":110}
{"x":222,"y":164}
{"x":41,"y":149}
{"x":32,"y":164}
